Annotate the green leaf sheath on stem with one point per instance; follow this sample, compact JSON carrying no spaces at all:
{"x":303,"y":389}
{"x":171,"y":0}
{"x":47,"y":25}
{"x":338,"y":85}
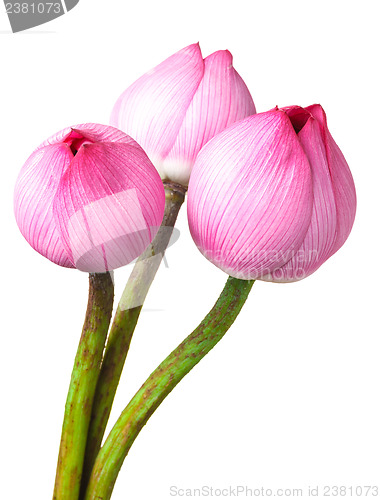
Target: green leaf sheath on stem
{"x":160,"y":384}
{"x":82,"y":387}
{"x":125,"y":321}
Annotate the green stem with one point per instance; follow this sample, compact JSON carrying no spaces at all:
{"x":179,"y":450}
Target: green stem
{"x":82,"y":387}
{"x":124,"y":324}
{"x":160,"y":384}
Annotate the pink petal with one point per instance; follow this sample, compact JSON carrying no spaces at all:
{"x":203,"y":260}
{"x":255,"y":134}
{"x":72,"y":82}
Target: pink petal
{"x":343,"y":183}
{"x":94,"y":132}
{"x":221,"y":99}
{"x":39,"y":179}
{"x":152,"y":109}
{"x":249,"y":198}
{"x":35,"y":188}
{"x":321,"y":234}
{"x":108,"y":206}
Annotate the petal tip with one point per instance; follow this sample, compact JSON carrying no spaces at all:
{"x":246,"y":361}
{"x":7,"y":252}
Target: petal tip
{"x":222,"y":57}
{"x":192,"y":49}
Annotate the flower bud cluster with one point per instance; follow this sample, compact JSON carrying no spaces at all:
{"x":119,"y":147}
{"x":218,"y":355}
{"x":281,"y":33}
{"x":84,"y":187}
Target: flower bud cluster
{"x":270,"y":195}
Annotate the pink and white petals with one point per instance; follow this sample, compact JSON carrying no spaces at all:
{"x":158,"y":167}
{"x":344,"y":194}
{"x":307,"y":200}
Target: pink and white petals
{"x":334,"y":196}
{"x":152,"y":109}
{"x":35,"y":189}
{"x":92,"y":132}
{"x":249,"y":199}
{"x":109,"y":206}
{"x":320,"y":237}
{"x":221,"y":99}
{"x":272,"y":197}
{"x":89,"y":198}
{"x":173,"y":110}
{"x":341,"y":177}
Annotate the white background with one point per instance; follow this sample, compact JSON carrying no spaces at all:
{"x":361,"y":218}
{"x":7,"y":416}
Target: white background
{"x":290,"y":397}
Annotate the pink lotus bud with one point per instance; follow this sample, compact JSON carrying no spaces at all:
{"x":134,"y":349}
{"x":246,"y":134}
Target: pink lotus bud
{"x":272,"y":197}
{"x":89,"y":198}
{"x":174,"y":109}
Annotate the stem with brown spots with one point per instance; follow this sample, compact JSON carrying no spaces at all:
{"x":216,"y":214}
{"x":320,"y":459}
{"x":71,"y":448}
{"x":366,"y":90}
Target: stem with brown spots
{"x":160,"y":383}
{"x":124,"y":325}
{"x":82,"y":387}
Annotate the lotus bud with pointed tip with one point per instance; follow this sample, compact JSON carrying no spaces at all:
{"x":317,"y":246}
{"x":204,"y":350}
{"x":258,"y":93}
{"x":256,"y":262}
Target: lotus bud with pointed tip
{"x":174,"y":109}
{"x":89,"y":198}
{"x":272,"y":197}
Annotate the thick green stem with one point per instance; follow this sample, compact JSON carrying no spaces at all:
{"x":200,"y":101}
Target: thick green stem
{"x":160,"y":384}
{"x":124,"y":324}
{"x":82,"y":387}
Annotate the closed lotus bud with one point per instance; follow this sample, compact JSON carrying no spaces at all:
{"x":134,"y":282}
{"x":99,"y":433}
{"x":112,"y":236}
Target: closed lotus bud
{"x":272,"y":197}
{"x":89,"y":198}
{"x":174,"y":109}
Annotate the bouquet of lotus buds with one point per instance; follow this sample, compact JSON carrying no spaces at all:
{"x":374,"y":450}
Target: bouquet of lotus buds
{"x":269,"y":197}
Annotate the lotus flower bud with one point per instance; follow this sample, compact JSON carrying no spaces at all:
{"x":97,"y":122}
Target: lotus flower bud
{"x":272,"y":197}
{"x":89,"y":198}
{"x":174,"y":109}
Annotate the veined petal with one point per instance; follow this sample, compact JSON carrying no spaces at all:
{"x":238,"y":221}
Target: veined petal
{"x":109,"y":206}
{"x":93,"y":132}
{"x":343,"y":183}
{"x":321,"y":234}
{"x":152,"y":109}
{"x":33,"y":199}
{"x":222,"y":98}
{"x":249,"y":198}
